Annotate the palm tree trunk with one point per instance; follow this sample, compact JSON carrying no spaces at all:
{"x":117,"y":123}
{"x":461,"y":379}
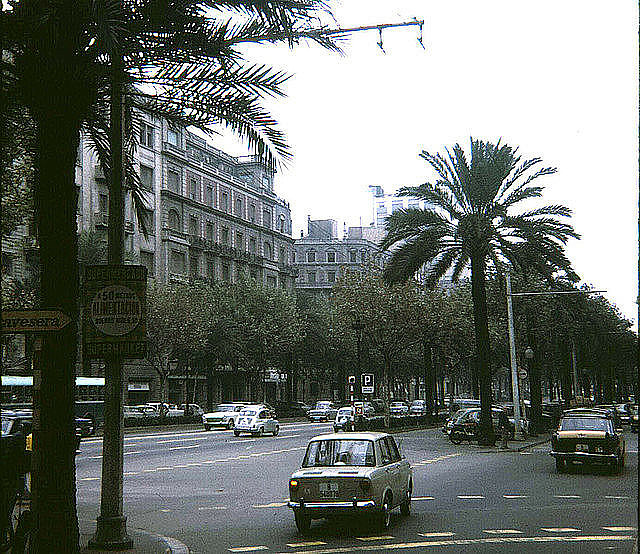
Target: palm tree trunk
{"x":428,"y":377}
{"x":54,"y":429}
{"x":483,"y":349}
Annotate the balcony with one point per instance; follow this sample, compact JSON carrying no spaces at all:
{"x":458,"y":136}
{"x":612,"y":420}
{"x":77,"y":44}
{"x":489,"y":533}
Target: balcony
{"x":288,"y":269}
{"x":224,"y":250}
{"x":172,"y":234}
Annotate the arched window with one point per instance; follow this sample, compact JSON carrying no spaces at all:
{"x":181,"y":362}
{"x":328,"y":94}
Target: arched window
{"x":174,"y":221}
{"x":311,"y":256}
{"x":267,"y":251}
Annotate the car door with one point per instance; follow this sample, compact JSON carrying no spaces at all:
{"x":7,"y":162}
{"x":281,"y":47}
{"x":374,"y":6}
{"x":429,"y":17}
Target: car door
{"x":399,"y":470}
{"x":390,"y":469}
{"x":263,"y":420}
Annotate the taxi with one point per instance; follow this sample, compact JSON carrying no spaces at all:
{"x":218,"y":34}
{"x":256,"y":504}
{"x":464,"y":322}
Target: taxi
{"x":256,"y":420}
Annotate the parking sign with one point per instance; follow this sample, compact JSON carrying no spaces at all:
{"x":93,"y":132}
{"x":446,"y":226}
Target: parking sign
{"x":367,"y":383}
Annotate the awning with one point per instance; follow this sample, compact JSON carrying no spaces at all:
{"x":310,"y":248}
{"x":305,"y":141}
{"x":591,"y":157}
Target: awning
{"x":90,"y":381}
{"x":137,"y":386}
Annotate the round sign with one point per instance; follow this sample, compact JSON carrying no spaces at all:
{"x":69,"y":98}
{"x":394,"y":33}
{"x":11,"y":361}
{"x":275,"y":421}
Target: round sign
{"x":116,"y":310}
{"x":522,"y":373}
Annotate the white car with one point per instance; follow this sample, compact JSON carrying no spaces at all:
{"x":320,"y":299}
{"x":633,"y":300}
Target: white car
{"x":256,"y":420}
{"x":398,"y":409}
{"x":224,"y":416}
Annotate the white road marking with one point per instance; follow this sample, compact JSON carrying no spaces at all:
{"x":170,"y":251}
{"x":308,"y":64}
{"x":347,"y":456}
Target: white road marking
{"x":566,"y":496}
{"x":130,"y":473}
{"x":208,"y":508}
{"x":378,"y":538}
{"x":303,"y":544}
{"x":248,"y":548}
{"x":272,"y":505}
{"x":617,"y":497}
{"x":560,"y":529}
{"x":468,"y":542}
{"x":179,"y":440}
{"x":422,"y":498}
{"x":514,"y":496}
{"x":470,"y":496}
{"x":436,"y":534}
{"x":619,"y":528}
{"x":502,"y":531}
{"x":165,"y":511}
{"x":164,"y":468}
{"x":184,"y":447}
{"x":90,"y":479}
{"x":134,"y":452}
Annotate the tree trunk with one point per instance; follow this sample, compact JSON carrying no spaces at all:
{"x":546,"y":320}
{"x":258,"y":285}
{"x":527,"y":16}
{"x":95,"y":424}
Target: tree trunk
{"x":428,"y":377}
{"x":54,"y":486}
{"x":483,"y":349}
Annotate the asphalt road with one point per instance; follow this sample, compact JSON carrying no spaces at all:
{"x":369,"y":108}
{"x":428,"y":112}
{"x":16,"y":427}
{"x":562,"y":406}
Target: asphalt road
{"x":219,"y":493}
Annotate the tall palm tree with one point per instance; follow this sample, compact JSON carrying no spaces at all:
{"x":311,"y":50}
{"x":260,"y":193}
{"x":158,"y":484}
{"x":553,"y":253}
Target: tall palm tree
{"x":186,"y":58}
{"x":472,"y":221}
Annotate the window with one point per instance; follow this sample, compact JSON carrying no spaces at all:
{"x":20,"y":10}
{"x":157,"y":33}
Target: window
{"x":340,"y":452}
{"x":225,"y":202}
{"x":254,"y":274}
{"x":266,"y":218}
{"x":173,"y":177}
{"x":394,"y":453}
{"x":414,"y":203}
{"x":384,"y":453}
{"x":396,"y":205}
{"x":268,"y":253}
{"x":271,"y":281}
{"x":224,"y":236}
{"x":293,"y":257}
{"x":148,"y":220}
{"x":147,"y":259}
{"x":331,"y":276}
{"x":146,"y":135}
{"x":226,"y":273}
{"x":146,"y":177}
{"x":193,"y":189}
{"x":7,"y":264}
{"x":352,"y":256}
{"x":208,"y":194}
{"x":331,"y":257}
{"x":282,"y":227}
{"x":210,"y":266}
{"x":363,"y":256}
{"x":239,"y":207}
{"x":193,"y":226}
{"x":253,"y":246}
{"x":209,"y":231}
{"x":266,"y":183}
{"x":174,"y":221}
{"x":194,"y":270}
{"x":252,"y":213}
{"x":311,"y":256}
{"x":173,"y":137}
{"x":240,"y":241}
{"x":103,"y":203}
{"x":282,"y":256}
{"x":311,"y":277}
{"x":177,"y":262}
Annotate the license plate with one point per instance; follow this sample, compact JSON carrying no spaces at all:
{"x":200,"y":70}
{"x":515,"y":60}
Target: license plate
{"x":328,"y":490}
{"x":582,"y":448}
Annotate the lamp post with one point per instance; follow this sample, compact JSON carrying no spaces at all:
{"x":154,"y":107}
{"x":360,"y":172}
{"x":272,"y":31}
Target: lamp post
{"x":534,"y":386}
{"x":358,"y":326}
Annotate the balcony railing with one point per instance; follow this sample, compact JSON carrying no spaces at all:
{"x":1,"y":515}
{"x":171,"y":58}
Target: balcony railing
{"x":224,"y":250}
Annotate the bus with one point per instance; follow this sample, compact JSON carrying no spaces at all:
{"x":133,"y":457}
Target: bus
{"x":16,"y":393}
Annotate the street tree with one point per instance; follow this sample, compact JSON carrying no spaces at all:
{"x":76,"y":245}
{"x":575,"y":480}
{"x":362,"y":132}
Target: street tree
{"x":472,"y":221}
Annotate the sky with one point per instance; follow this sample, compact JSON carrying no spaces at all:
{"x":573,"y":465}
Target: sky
{"x":557,"y":79}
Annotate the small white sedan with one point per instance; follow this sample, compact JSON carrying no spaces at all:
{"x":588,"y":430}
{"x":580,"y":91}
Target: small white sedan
{"x":225,"y":415}
{"x":256,"y":420}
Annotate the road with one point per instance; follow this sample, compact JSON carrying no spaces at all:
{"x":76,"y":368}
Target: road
{"x":219,"y":493}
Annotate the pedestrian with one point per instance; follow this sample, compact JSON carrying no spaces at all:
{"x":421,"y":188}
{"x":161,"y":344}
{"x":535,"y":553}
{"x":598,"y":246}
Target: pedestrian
{"x":503,"y":425}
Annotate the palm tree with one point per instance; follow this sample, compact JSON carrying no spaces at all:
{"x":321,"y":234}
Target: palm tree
{"x":189,"y":66}
{"x":471,"y":221}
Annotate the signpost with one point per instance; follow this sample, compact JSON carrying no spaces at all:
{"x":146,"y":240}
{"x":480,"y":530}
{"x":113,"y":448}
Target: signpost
{"x":33,"y":321}
{"x":368,"y":383}
{"x":522,"y":373}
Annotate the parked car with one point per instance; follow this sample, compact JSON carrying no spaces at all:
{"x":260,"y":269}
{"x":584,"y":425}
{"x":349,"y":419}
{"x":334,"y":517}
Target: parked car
{"x":466,"y":425}
{"x":165,"y":409}
{"x":587,"y":438}
{"x":398,"y":409}
{"x":194,"y":409}
{"x":366,"y":408}
{"x":633,"y":410}
{"x":623,"y":413}
{"x":323,"y":411}
{"x":291,"y":409}
{"x":225,"y":415}
{"x":344,"y":419}
{"x":418,"y":407}
{"x":379,"y":406}
{"x":257,"y":420}
{"x":348,"y":475}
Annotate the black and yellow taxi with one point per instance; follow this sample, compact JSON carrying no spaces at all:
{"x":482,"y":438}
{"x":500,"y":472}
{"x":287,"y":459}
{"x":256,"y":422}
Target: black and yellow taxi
{"x":587,"y":437}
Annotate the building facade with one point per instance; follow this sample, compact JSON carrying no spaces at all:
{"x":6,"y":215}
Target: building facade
{"x":321,"y":257}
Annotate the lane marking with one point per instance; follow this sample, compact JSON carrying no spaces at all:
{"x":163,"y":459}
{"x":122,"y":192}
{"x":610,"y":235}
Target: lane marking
{"x":178,"y":440}
{"x":248,"y":548}
{"x":466,"y":542}
{"x":134,"y":452}
{"x":566,"y":496}
{"x":272,"y":505}
{"x":302,"y":544}
{"x":470,"y":496}
{"x":422,"y":498}
{"x":165,"y":511}
{"x":148,"y":470}
{"x":437,"y":534}
{"x":209,"y":508}
{"x":560,"y":529}
{"x":378,"y":538}
{"x":130,"y":473}
{"x":617,"y":497}
{"x":90,"y":479}
{"x":514,"y":496}
{"x":619,"y":528}
{"x":184,"y":447}
{"x":502,"y":531}
{"x":163,"y":468}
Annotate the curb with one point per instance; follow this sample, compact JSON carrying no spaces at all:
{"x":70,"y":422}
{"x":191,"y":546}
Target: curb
{"x":537,"y":443}
{"x":153,"y":543}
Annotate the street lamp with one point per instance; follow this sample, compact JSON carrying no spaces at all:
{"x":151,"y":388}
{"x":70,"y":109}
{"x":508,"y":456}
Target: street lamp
{"x":358,"y":327}
{"x":533,"y":422}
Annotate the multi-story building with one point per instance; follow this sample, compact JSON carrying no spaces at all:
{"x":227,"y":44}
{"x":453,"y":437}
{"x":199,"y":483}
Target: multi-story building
{"x":321,"y":257}
{"x":208,"y":214}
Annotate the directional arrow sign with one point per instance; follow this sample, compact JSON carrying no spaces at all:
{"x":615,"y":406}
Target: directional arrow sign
{"x":34,"y":321}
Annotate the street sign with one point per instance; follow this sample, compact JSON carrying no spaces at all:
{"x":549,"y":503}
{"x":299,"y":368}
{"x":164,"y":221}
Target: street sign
{"x":367,"y":383}
{"x":522,"y":373}
{"x":34,"y":321}
{"x":115,"y":311}
{"x":352,"y":379}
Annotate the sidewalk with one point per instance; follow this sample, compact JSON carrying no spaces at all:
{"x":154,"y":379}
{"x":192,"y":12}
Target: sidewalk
{"x":143,"y":543}
{"x":520,"y":445}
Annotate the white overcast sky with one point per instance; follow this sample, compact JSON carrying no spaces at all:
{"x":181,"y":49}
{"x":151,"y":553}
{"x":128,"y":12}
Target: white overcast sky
{"x":559,"y":79}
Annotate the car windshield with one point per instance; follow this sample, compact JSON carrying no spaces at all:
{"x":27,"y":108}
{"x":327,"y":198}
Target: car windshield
{"x":225,"y":408}
{"x":344,"y":411}
{"x":323,"y":405}
{"x":459,"y":415}
{"x":6,"y":423}
{"x":248,"y":412}
{"x":585,"y":424}
{"x":417,"y":403}
{"x":397,"y":404}
{"x":336,"y":452}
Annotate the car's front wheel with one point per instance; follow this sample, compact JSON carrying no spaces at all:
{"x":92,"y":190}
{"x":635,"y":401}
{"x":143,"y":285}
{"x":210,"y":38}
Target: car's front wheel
{"x":405,"y":507}
{"x":303,"y":522}
{"x":276,"y":430}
